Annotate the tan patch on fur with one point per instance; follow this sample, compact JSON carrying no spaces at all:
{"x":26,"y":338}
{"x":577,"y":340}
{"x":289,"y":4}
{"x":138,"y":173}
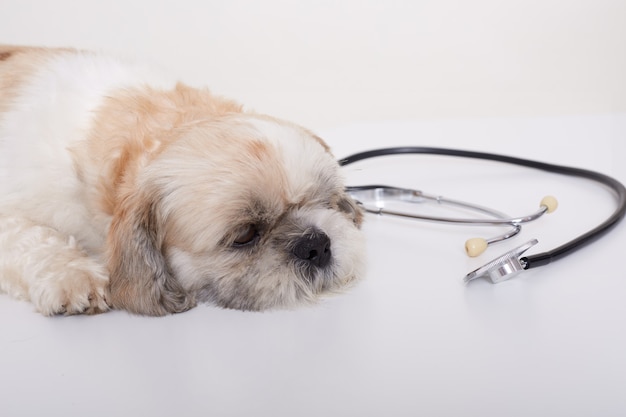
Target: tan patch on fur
{"x":140,"y":280}
{"x":133,"y":127}
{"x":258,"y":150}
{"x":17,"y":63}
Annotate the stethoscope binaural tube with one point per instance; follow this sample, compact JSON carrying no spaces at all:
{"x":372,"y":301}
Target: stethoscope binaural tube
{"x":374,"y":199}
{"x":543,"y":258}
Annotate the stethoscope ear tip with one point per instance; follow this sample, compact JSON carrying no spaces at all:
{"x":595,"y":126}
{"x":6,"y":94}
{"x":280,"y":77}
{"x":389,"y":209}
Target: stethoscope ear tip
{"x":550,"y":203}
{"x":475,"y":246}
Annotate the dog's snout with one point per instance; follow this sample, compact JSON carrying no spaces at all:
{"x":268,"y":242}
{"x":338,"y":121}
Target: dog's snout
{"x":314,"y":248}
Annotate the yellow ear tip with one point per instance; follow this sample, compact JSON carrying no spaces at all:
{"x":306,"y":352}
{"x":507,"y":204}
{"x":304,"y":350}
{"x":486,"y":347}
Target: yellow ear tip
{"x":475,"y":246}
{"x":550,"y":203}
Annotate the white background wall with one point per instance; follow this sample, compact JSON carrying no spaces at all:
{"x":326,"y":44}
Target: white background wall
{"x":330,"y":62}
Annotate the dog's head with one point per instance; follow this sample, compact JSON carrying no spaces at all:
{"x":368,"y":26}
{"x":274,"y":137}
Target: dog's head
{"x":244,"y":212}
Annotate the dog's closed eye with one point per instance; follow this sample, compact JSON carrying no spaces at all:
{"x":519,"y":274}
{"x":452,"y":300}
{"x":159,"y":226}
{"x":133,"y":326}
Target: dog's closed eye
{"x":350,"y":207}
{"x":246,"y":236}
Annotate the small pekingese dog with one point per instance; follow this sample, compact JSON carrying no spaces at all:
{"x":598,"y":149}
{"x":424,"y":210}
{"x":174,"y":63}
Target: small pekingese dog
{"x":121,"y":190}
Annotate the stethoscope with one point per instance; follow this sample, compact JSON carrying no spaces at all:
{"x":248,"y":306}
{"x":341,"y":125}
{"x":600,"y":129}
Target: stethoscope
{"x":376,"y":199}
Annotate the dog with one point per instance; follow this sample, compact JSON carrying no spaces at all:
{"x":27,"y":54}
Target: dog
{"x":122,"y":189}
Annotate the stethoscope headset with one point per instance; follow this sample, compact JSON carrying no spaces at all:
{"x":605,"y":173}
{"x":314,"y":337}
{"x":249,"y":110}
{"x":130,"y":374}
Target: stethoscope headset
{"x":375,"y":199}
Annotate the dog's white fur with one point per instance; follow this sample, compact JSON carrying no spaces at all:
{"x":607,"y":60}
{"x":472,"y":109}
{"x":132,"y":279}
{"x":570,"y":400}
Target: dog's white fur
{"x":109,"y":170}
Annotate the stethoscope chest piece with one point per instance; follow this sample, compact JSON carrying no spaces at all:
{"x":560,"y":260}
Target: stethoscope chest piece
{"x":503,"y":267}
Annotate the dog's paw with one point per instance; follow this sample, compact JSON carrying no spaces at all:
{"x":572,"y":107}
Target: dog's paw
{"x":80,"y":288}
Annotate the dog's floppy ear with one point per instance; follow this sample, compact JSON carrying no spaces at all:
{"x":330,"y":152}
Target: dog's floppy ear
{"x":140,"y":278}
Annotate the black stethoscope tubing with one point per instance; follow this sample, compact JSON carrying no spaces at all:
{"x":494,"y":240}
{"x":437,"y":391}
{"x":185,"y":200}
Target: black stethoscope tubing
{"x":543,"y":258}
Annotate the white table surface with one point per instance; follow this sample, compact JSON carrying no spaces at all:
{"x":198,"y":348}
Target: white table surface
{"x":410,"y":339}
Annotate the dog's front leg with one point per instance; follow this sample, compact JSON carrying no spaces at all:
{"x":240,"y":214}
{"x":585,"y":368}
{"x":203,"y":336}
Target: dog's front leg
{"x":39,"y":264}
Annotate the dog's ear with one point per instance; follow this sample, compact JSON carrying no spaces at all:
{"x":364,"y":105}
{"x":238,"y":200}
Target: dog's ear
{"x":140,"y":278}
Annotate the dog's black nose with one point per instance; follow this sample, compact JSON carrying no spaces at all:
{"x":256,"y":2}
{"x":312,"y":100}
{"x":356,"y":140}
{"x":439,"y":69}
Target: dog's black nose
{"x":314,"y":247}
